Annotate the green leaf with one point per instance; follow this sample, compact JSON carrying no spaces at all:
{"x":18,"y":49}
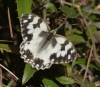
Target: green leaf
{"x":79,"y":80}
{"x":69,"y":70}
{"x":65,"y":80}
{"x":9,"y":48}
{"x":69,"y":12}
{"x":93,"y":17}
{"x":10,"y":83}
{"x":97,"y":65}
{"x":23,"y":6}
{"x":94,"y":66}
{"x":93,"y":28}
{"x":50,"y":7}
{"x":83,"y":61}
{"x":88,"y":84}
{"x":28,"y":73}
{"x":49,"y":83}
{"x":75,"y":34}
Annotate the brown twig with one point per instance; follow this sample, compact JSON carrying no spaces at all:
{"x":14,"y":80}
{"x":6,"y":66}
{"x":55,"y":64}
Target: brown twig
{"x":92,"y":39}
{"x":86,"y":23}
{"x":88,"y":64}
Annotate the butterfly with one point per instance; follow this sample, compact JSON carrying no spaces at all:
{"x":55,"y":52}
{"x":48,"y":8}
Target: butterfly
{"x":42,"y":47}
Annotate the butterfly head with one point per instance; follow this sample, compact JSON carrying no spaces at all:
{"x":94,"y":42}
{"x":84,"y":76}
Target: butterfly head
{"x":54,"y":32}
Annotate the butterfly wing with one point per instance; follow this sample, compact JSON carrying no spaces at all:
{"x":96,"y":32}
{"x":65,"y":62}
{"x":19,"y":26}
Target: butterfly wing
{"x":39,"y":52}
{"x":59,"y":50}
{"x":33,"y":30}
{"x":65,"y":51}
{"x":31,"y":26}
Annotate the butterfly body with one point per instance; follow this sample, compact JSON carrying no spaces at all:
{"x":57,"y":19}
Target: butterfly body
{"x":42,"y":47}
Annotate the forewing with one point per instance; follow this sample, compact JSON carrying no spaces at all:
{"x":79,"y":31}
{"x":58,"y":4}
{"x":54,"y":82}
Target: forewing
{"x":31,"y":26}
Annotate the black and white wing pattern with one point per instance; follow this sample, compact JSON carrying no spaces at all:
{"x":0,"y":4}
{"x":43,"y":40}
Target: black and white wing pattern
{"x":41,"y":47}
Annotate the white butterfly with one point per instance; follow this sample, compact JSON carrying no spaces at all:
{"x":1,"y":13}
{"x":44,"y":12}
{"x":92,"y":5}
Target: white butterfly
{"x":42,"y":47}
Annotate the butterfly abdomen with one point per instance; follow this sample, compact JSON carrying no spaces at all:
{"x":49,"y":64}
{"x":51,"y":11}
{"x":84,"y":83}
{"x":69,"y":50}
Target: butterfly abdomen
{"x":45,"y":42}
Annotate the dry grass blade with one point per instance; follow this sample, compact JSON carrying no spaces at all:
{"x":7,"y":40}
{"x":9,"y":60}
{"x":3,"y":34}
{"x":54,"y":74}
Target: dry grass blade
{"x":1,"y":77}
{"x":16,"y":78}
{"x":10,"y":26}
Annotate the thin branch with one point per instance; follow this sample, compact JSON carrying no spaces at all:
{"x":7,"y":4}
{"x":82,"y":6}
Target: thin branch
{"x":94,"y":48}
{"x":9,"y":72}
{"x":88,"y":64}
{"x":81,"y":14}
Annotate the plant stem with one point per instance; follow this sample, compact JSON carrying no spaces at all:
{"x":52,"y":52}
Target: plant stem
{"x":85,"y":22}
{"x":94,"y":48}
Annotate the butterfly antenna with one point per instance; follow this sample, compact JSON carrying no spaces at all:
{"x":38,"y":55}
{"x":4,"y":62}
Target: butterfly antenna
{"x":59,"y":27}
